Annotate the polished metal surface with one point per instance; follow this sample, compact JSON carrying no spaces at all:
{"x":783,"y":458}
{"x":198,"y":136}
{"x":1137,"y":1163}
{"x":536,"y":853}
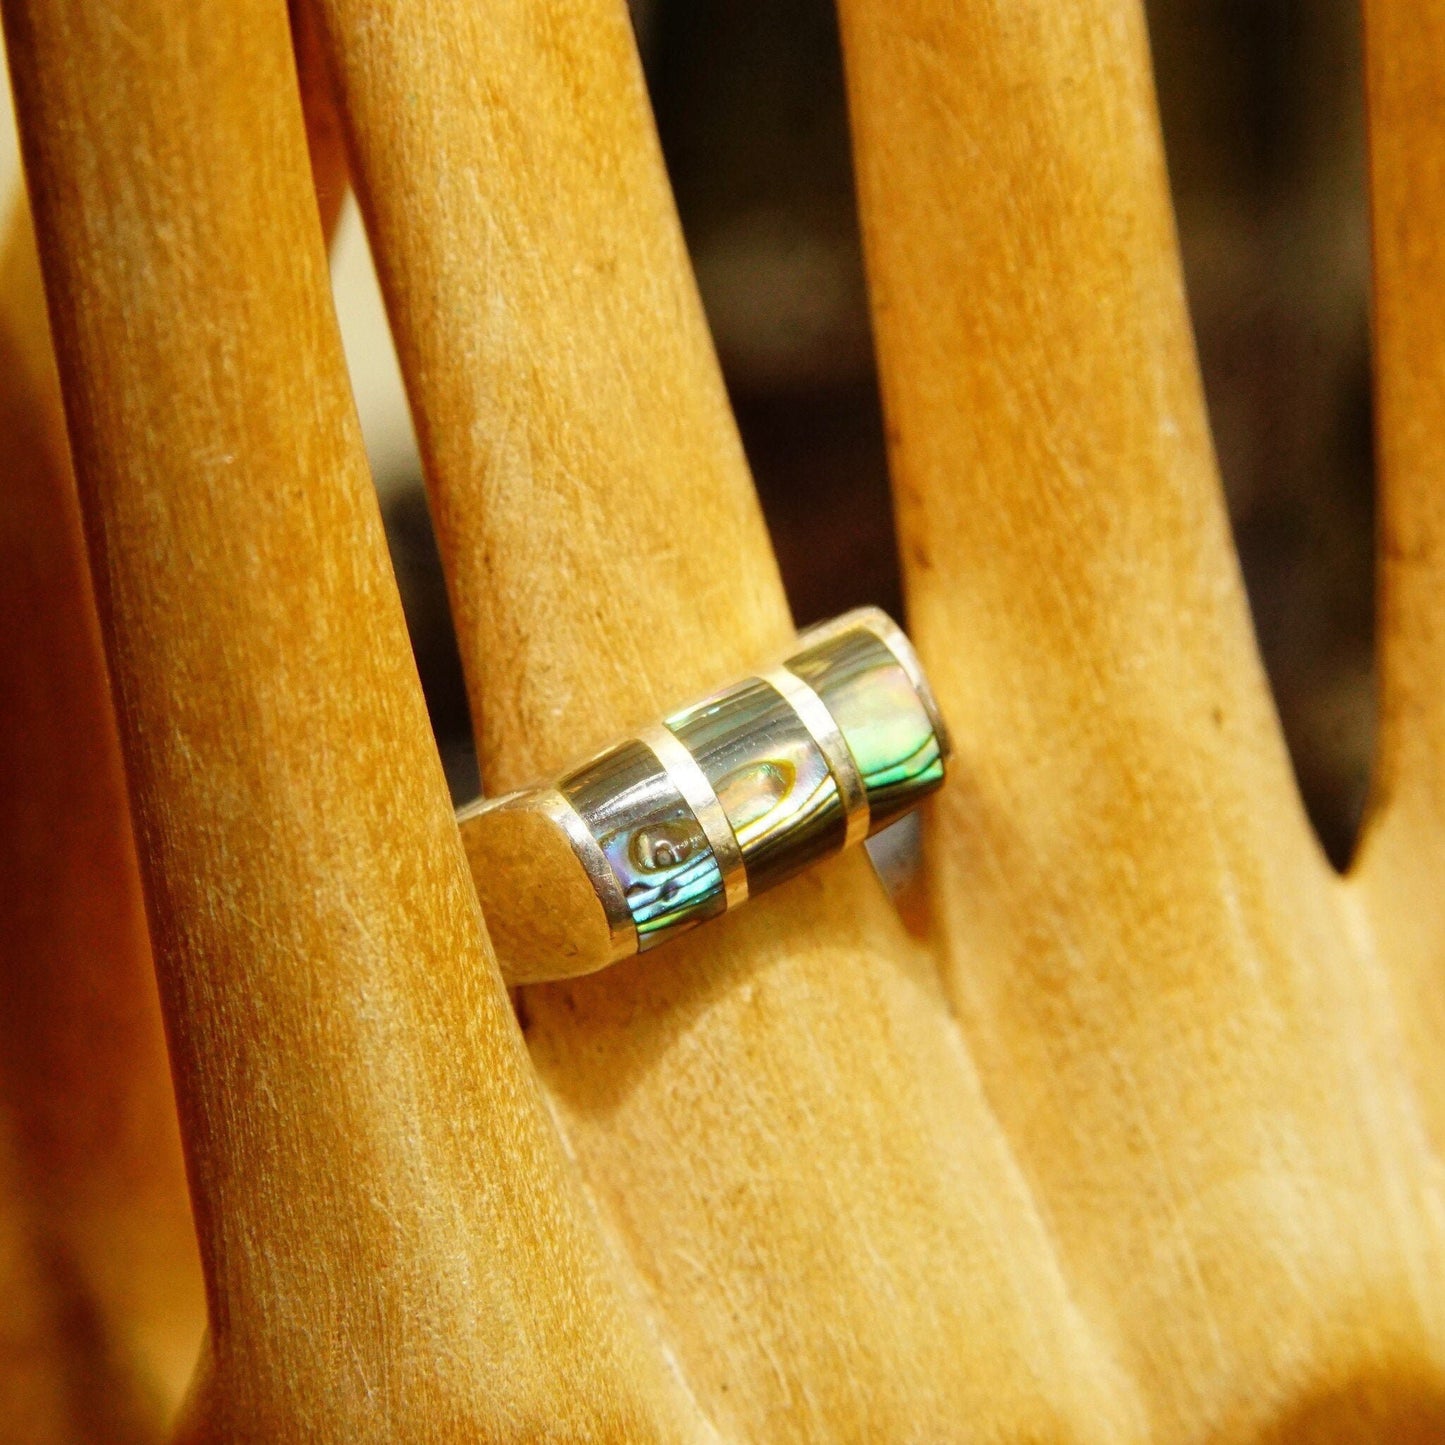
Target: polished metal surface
{"x":621,"y":924}
{"x":695,"y":786}
{"x":893,"y":637}
{"x":813,"y":713}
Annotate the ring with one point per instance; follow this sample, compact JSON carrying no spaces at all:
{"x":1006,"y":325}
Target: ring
{"x":721,"y":800}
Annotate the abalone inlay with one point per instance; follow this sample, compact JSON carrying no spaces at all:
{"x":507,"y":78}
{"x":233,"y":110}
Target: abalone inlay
{"x":769,"y":775}
{"x":651,"y":839}
{"x":881,"y":717}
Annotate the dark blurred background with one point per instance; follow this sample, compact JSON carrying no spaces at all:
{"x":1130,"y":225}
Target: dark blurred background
{"x":1263,"y":119}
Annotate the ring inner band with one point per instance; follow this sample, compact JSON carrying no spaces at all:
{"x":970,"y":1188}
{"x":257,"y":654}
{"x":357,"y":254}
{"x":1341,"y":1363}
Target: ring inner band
{"x":697,"y":791}
{"x":823,"y":729}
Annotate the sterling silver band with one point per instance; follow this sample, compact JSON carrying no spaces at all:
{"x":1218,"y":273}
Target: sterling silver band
{"x":721,"y":799}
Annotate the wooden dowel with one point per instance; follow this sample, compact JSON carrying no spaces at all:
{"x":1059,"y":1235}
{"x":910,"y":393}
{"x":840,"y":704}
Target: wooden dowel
{"x":85,"y":1073}
{"x":1406,"y":93}
{"x":100,"y":1209}
{"x":392,"y":1245}
{"x":1174,"y":1015}
{"x":773,"y":1115}
{"x":324,"y":140}
{"x":604,"y":549}
{"x":1401,"y":859}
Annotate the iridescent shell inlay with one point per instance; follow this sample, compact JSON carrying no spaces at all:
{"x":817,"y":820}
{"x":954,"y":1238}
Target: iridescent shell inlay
{"x":881,"y":716}
{"x":763,"y":750}
{"x":651,"y":839}
{"x":769,"y":775}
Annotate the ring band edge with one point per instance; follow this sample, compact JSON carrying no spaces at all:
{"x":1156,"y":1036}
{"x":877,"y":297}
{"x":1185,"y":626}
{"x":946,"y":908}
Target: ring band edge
{"x":698,"y":793}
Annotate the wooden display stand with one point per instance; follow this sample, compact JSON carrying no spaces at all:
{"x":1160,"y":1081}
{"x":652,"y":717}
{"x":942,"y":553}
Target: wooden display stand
{"x":1146,"y":1146}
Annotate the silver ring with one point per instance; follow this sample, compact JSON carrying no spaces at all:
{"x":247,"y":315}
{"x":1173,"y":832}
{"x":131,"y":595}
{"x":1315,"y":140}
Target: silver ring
{"x":720,"y":800}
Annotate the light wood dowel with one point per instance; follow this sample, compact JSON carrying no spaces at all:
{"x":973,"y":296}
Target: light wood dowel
{"x":392,"y":1244}
{"x":774,"y":1117}
{"x":1405,"y":51}
{"x":1188,"y":1043}
{"x":100,"y":1196}
{"x":324,"y":140}
{"x":100,"y":1216}
{"x":605,"y":553}
{"x":99,"y":1181}
{"x":1402,"y":855}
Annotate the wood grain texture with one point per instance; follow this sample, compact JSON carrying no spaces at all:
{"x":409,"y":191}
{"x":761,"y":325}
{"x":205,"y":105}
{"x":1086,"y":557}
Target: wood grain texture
{"x":1188,"y":1038}
{"x":774,"y":1119}
{"x":102,"y":1318}
{"x":602,"y":450}
{"x":325,"y":143}
{"x":392,"y":1245}
{"x":1402,"y":856}
{"x":104,"y":1309}
{"x":1145,"y":1147}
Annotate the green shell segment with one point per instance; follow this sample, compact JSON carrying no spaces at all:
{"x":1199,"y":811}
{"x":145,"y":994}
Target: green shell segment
{"x":769,"y":775}
{"x":881,"y":716}
{"x":651,"y":839}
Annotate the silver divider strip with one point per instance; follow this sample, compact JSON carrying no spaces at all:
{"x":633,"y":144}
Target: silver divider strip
{"x":690,"y":780}
{"x":813,"y":713}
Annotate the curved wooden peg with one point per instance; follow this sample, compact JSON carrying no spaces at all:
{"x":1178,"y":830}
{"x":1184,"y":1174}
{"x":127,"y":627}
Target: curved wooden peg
{"x":109,"y":1311}
{"x":392,"y":1244}
{"x":1406,"y":90}
{"x":1402,"y":853}
{"x":1173,"y":1011}
{"x":101,"y":1194}
{"x":774,"y":1116}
